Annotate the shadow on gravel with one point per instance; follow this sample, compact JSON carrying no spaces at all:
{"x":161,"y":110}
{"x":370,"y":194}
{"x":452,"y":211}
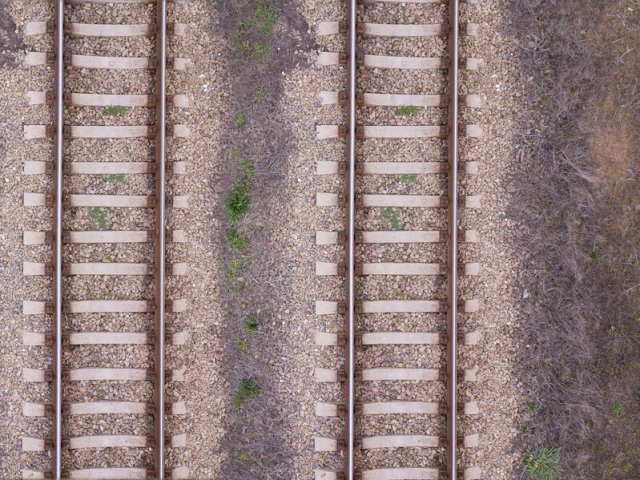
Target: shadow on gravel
{"x":579,"y":197}
{"x":263,"y":39}
{"x":10,"y":41}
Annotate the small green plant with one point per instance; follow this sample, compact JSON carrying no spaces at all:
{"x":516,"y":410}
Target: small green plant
{"x":261,"y":94}
{"x":237,"y":202}
{"x":115,"y":179}
{"x":407,"y":111}
{"x":251,"y":324}
{"x":236,"y":240}
{"x":402,"y":294}
{"x":247,"y":389}
{"x":115,"y":111}
{"x":266,"y":16}
{"x":260,"y":52}
{"x":253,"y":33}
{"x":99,"y":218}
{"x":392,"y":218}
{"x":239,"y":288}
{"x":246,"y":165}
{"x":618,"y":410}
{"x":235,"y":267}
{"x":526,"y":305}
{"x":242,"y":345}
{"x":543,"y":464}
{"x":244,"y":457}
{"x":240,"y":119}
{"x":595,"y":256}
{"x":408,"y":179}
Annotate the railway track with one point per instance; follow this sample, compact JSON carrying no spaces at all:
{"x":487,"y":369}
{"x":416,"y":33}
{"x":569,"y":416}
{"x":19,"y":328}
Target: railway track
{"x":389,"y":334}
{"x":108,"y":311}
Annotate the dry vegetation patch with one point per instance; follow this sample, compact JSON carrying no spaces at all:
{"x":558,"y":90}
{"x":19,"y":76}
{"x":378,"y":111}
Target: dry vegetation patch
{"x":9,"y":39}
{"x":262,"y":37}
{"x":579,"y":197}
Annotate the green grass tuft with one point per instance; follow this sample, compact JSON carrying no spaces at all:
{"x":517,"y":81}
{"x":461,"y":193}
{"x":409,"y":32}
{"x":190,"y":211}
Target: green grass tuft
{"x":261,"y":94}
{"x":235,"y":267}
{"x":242,"y":345}
{"x":99,"y":218}
{"x":237,"y":202}
{"x":246,"y":165}
{"x":543,"y":464}
{"x":409,"y":179}
{"x":251,"y":324}
{"x":247,"y":389}
{"x":236,"y":240}
{"x":392,"y":218}
{"x":115,"y":111}
{"x":115,"y":179}
{"x":260,"y":52}
{"x":265,"y":16}
{"x":618,"y":410}
{"x":240,"y":119}
{"x":407,"y":111}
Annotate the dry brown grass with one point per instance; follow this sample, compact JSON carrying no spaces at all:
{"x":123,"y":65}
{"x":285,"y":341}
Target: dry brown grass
{"x":580,"y":199}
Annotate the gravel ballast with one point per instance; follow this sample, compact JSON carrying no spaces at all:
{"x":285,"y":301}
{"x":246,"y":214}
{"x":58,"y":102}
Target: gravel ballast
{"x":294,"y":219}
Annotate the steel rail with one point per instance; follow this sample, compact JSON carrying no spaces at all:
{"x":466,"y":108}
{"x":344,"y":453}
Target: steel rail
{"x":452,"y":251}
{"x":160,"y":247}
{"x":57,"y":241}
{"x":350,"y":246}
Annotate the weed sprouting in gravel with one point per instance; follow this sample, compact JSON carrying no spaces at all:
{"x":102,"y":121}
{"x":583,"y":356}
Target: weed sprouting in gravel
{"x":237,"y":240}
{"x":543,"y":463}
{"x":253,"y":34}
{"x":392,"y":218}
{"x":247,"y":389}
{"x":235,"y":267}
{"x":243,"y":345}
{"x":115,"y":111}
{"x":261,"y":94}
{"x":251,"y":324}
{"x":245,"y":457}
{"x":265,"y":16}
{"x":407,"y":111}
{"x":237,"y":202}
{"x":240,"y":119}
{"x":99,"y":218}
{"x":118,"y":179}
{"x":408,"y":179}
{"x":245,"y":165}
{"x":260,"y":52}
